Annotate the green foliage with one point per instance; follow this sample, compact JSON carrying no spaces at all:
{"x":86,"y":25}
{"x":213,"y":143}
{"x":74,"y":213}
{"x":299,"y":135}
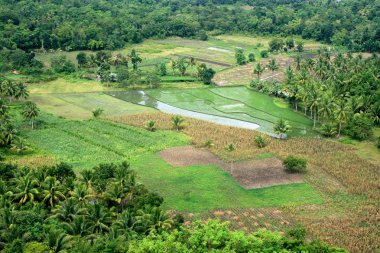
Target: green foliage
{"x":275,"y":45}
{"x":328,"y":130}
{"x":261,"y":141}
{"x":359,"y":127}
{"x":300,"y":46}
{"x":378,"y":142}
{"x":251,"y":57}
{"x":150,"y":125}
{"x":82,"y":59}
{"x":97,"y":112}
{"x":205,"y":74}
{"x":290,"y":43}
{"x":177,"y":122}
{"x":61,"y":64}
{"x":282,"y":127}
{"x":161,"y":69}
{"x":240,"y":57}
{"x":30,"y":112}
{"x":294,"y":164}
{"x":264,"y":54}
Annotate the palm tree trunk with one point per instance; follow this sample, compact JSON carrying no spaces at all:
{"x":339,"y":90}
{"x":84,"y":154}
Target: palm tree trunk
{"x":296,"y":104}
{"x":32,"y":124}
{"x":315,"y":118}
{"x":340,"y":128}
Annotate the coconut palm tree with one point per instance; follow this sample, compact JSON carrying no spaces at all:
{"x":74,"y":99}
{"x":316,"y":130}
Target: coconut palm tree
{"x":21,"y":91}
{"x":258,"y":70}
{"x":177,"y":122}
{"x":30,"y":112}
{"x":25,"y":189}
{"x":342,"y":113}
{"x":281,"y":128}
{"x":99,"y":218}
{"x":57,"y":241}
{"x":66,"y":210}
{"x":52,"y":193}
{"x":273,"y":66}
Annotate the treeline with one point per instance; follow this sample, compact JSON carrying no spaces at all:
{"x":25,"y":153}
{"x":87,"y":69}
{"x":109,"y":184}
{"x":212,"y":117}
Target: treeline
{"x":94,"y":24}
{"x":106,"y":209}
{"x":339,"y":92}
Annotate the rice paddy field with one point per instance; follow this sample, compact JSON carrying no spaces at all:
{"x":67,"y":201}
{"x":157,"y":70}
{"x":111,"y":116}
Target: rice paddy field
{"x":230,"y":102}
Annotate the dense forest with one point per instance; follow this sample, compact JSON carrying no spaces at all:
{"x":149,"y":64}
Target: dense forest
{"x":96,"y":24}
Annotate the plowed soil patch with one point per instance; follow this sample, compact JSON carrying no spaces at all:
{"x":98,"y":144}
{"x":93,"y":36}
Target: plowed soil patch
{"x":249,"y":174}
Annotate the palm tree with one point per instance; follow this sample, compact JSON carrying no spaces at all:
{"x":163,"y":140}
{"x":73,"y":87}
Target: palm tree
{"x":177,"y":122}
{"x":25,"y":189}
{"x":78,"y":226}
{"x":281,"y":128}
{"x":81,"y":194}
{"x":57,"y":241}
{"x":160,"y":220}
{"x":21,"y":91}
{"x":99,"y":217}
{"x":30,"y":112}
{"x":273,"y":66}
{"x":150,"y":125}
{"x":66,"y":210}
{"x":258,"y":70}
{"x":173,"y":64}
{"x":3,"y":108}
{"x":342,"y":113}
{"x":51,"y":193}
{"x":8,"y":88}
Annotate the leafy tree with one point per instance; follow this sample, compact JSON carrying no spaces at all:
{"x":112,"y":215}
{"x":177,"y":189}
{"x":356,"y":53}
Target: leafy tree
{"x":240,"y":57}
{"x":161,"y":69}
{"x":276,"y":45}
{"x":135,"y":59}
{"x":81,"y":59}
{"x":61,"y":64}
{"x":360,"y":127}
{"x":153,"y":80}
{"x":181,"y":66}
{"x":30,"y":112}
{"x":300,"y":46}
{"x":290,"y":43}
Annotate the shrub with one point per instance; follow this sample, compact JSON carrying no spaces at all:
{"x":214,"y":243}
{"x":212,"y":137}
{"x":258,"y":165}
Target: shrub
{"x":359,"y":127}
{"x":251,"y":57}
{"x":209,"y":143}
{"x":328,"y":130}
{"x":61,"y":64}
{"x":294,"y":164}
{"x":261,"y":141}
{"x":97,"y":112}
{"x":378,"y":142}
{"x":264,"y":54}
{"x":150,"y":125}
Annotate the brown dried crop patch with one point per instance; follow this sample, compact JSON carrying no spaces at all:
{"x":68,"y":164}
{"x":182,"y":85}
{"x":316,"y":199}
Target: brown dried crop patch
{"x":356,"y":227}
{"x":249,"y":174}
{"x":34,"y":161}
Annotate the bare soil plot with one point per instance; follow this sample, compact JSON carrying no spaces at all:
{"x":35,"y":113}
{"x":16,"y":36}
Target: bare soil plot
{"x":249,"y":174}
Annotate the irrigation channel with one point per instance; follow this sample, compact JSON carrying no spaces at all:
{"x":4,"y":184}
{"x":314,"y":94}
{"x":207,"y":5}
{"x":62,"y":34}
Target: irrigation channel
{"x":141,"y":98}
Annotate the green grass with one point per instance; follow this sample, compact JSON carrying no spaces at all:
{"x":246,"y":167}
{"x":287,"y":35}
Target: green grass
{"x":238,"y":103}
{"x":81,"y":105}
{"x":85,"y":144}
{"x":199,"y":188}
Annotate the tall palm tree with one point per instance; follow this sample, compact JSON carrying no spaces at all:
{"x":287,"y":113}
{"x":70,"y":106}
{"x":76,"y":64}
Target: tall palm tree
{"x":258,"y":70}
{"x":342,"y":113}
{"x":78,"y":226}
{"x":66,"y":210}
{"x":30,"y":112}
{"x":273,"y":66}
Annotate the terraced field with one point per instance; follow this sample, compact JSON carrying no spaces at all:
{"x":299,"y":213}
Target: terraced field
{"x":229,"y":102}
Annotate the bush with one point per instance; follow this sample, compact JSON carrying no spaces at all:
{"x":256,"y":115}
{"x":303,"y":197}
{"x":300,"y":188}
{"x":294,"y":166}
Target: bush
{"x":251,"y":57}
{"x":61,"y":64}
{"x":294,"y":164}
{"x":359,"y":127}
{"x":378,"y":142}
{"x":150,"y":125}
{"x":261,"y":141}
{"x":96,"y":113}
{"x":264,"y":54}
{"x":328,"y":130}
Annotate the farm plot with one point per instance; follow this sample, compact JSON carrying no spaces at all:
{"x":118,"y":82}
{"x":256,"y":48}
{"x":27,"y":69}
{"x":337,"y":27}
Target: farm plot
{"x":237,"y":103}
{"x":81,"y":105}
{"x":85,"y":144}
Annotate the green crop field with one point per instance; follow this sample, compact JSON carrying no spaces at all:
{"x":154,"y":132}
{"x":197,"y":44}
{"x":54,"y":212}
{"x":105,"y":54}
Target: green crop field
{"x":81,"y":105}
{"x":85,"y":144}
{"x":231,"y":102}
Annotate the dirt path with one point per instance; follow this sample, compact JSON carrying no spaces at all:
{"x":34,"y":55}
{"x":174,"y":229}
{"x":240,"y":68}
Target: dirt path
{"x":249,"y":174}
